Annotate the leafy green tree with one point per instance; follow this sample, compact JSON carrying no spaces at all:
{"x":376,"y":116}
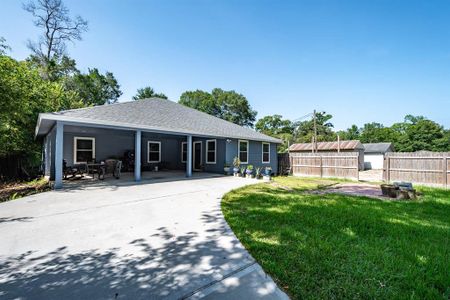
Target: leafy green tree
{"x":23,"y":95}
{"x":277,"y":127}
{"x":148,"y":92}
{"x":377,"y":133}
{"x":304,"y":130}
{"x":423,"y":134}
{"x":227,"y":105}
{"x":95,"y":88}
{"x":352,"y":133}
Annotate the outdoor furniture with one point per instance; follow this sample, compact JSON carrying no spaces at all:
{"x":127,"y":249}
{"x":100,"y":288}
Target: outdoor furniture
{"x":113,"y":167}
{"x":96,"y":168}
{"x":72,"y":170}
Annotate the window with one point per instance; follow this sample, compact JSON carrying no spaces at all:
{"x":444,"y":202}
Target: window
{"x":183,"y":152}
{"x":211,"y":151}
{"x":243,"y":151}
{"x":83,"y":149}
{"x":154,"y":152}
{"x":265,"y":152}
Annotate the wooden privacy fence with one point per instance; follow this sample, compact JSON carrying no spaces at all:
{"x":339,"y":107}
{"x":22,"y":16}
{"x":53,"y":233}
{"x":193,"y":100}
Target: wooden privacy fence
{"x":429,"y":168}
{"x":325,"y":164}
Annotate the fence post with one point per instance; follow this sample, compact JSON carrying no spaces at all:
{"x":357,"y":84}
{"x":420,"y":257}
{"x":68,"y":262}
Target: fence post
{"x":321,"y":164}
{"x":445,"y":171}
{"x":388,"y":165}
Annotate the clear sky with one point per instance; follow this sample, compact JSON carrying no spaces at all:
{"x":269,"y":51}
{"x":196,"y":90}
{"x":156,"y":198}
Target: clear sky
{"x":361,"y":61}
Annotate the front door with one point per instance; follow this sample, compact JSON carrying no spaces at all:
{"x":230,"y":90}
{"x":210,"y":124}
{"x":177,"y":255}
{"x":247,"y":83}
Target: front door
{"x":197,"y":156}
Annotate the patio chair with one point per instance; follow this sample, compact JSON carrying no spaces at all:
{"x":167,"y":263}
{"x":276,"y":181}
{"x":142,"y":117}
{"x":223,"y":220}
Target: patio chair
{"x":113,"y":167}
{"x":72,"y":170}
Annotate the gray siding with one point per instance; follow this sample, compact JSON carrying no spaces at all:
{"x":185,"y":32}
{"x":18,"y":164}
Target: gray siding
{"x":108,"y":143}
{"x":111,"y":143}
{"x":255,"y":154}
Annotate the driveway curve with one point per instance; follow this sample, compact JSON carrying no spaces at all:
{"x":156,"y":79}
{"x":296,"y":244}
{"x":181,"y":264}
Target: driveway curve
{"x":134,"y":241}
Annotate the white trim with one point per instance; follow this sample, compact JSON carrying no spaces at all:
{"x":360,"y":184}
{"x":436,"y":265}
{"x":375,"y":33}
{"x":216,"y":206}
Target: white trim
{"x":262,"y":152}
{"x":239,"y":150}
{"x":182,"y":144}
{"x":215,"y":152}
{"x":193,"y":154}
{"x":148,"y":152}
{"x":75,"y":139}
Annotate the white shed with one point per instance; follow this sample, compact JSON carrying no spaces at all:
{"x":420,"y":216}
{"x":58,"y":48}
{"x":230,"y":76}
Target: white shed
{"x":374,"y":154}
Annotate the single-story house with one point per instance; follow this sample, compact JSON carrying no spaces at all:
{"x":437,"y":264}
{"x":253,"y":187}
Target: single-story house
{"x":341,"y":146}
{"x":157,"y":131}
{"x":374,"y":154}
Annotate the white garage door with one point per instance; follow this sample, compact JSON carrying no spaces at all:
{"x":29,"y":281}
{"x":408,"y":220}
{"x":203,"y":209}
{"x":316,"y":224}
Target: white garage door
{"x":373,"y":161}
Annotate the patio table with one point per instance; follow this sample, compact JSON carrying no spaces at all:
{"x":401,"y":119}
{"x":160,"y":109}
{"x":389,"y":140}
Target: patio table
{"x":97,"y":168}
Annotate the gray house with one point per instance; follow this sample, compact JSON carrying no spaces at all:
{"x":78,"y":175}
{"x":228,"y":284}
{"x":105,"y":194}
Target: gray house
{"x":158,"y":132}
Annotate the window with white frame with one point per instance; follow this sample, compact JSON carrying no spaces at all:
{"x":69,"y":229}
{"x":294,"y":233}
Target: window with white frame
{"x":154,"y":152}
{"x":83,"y":149}
{"x":265,"y":152}
{"x":211,"y":151}
{"x":243,"y":151}
{"x":183,"y":152}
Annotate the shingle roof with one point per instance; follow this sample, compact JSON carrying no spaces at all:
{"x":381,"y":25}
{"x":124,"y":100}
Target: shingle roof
{"x":155,"y":114}
{"x":325,"y":146}
{"x":378,"y":148}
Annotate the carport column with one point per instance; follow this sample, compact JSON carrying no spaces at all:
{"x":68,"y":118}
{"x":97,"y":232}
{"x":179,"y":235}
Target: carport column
{"x":59,"y":154}
{"x":137,"y":156}
{"x":189,"y":156}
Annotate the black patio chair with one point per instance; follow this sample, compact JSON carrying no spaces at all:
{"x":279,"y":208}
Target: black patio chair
{"x":72,"y":170}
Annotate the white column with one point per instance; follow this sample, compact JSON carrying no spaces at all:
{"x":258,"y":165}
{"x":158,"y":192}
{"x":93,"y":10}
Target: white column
{"x":137,"y":156}
{"x":189,"y":156}
{"x":59,"y":154}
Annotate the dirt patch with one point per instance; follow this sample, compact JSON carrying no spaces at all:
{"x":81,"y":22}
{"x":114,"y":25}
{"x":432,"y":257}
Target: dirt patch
{"x":355,"y":189}
{"x":9,"y":191}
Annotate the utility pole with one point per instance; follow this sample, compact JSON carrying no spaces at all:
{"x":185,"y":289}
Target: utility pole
{"x":315,"y":131}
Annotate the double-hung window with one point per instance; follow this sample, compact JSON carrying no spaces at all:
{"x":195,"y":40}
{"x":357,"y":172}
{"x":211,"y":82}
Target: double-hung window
{"x":154,"y":152}
{"x":243,"y":151}
{"x":183,"y":152}
{"x":265,"y":152}
{"x":211,"y":151}
{"x":83,"y":149}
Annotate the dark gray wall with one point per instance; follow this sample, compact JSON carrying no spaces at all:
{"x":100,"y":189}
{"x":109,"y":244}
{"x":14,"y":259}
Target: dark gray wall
{"x":108,"y":143}
{"x":255,"y":154}
{"x":113,"y":143}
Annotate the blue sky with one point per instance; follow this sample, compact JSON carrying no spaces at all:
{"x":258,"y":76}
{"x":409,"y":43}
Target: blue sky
{"x":361,"y":61}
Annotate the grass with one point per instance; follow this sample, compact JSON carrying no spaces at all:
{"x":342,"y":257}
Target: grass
{"x":15,"y":190}
{"x":338,"y":246}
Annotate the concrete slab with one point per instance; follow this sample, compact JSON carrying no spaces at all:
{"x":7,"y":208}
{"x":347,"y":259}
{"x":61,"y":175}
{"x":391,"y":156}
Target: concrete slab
{"x":127,"y":241}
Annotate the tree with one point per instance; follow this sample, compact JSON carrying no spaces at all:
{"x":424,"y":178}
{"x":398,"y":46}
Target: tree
{"x":276,"y":127}
{"x":148,"y":92}
{"x":52,"y":16}
{"x":352,"y":133}
{"x":424,"y":134}
{"x":3,"y":46}
{"x":227,"y":105}
{"x":23,"y":95}
{"x":304,"y":130}
{"x":95,"y":88}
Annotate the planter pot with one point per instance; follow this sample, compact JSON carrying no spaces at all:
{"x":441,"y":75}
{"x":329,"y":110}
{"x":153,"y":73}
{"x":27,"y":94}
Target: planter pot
{"x":267,"y":178}
{"x":226,"y":170}
{"x":235,"y":170}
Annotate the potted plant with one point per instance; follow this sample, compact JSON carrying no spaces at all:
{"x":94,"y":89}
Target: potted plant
{"x":267,"y":173}
{"x":258,"y":172}
{"x":236,"y":165}
{"x":226,"y":168}
{"x":249,"y":171}
{"x":242,"y":172}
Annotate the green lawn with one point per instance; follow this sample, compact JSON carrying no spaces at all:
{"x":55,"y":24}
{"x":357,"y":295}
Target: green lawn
{"x":336,"y":246}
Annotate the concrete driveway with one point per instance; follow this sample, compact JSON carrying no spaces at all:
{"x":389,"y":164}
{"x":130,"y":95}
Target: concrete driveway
{"x":106,"y":241}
